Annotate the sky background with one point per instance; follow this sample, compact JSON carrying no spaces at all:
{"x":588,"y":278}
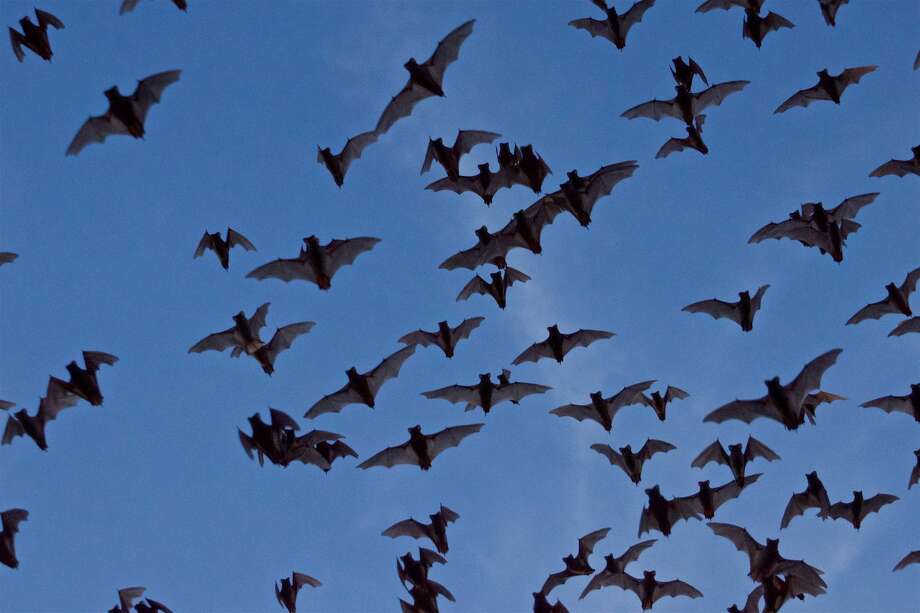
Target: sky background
{"x":153,"y":488}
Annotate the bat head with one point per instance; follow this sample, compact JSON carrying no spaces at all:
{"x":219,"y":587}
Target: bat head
{"x":734,"y":448}
{"x":823,"y":74}
{"x":891,"y":287}
{"x":484,"y":169}
{"x":411,"y":64}
{"x":917,"y":453}
{"x":415,"y":430}
{"x":626,"y":450}
{"x":553,"y":329}
{"x":311,"y":241}
{"x":704,"y":485}
{"x":240,"y":318}
{"x":857,"y":496}
{"x":436,"y":141}
{"x":773,"y":545}
{"x":482,"y":233}
{"x":745,"y":296}
{"x":496,"y":277}
{"x":916,"y":152}
{"x":653,"y":491}
{"x":648,"y":575}
{"x":597,"y":397}
{"x":112,"y":93}
{"x":773,"y":384}
{"x":812,"y":477}
{"x":505,"y":378}
{"x":485,"y":378}
{"x":573,"y":176}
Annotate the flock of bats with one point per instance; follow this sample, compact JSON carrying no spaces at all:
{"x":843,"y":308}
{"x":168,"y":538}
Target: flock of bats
{"x":778,"y":579}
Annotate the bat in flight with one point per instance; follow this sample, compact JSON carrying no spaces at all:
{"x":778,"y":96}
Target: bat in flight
{"x":557,"y":344}
{"x":578,"y":195}
{"x":907,"y":326}
{"x":650,"y":590}
{"x":526,"y":226}
{"x":10,"y":519}
{"x":424,"y":591}
{"x":765,"y":560}
{"x":316,"y":263}
{"x":127,"y":596}
{"x":279,"y":442}
{"x":735,"y":458}
{"x":685,"y":106}
{"x":129,"y":5}
{"x":631,"y":462}
{"x":425,"y":80}
{"x":576,"y":565}
{"x":421,"y":449}
{"x":782,"y":403}
{"x":497,"y":288}
{"x":756,"y":27}
{"x":222,"y":247}
{"x":909,"y":404}
{"x":857,"y":509}
{"x":912,"y":558}
{"x":486,"y":394}
{"x":542,"y":605}
{"x":776,"y":592}
{"x":34,"y":37}
{"x":661,"y":514}
{"x":711,"y":5}
{"x":523,"y":166}
{"x":829,"y":10}
{"x":693,"y":140}
{"x":615,"y":566}
{"x":337,"y":164}
{"x":900,"y":168}
{"x":446,"y":337}
{"x":741,"y":312}
{"x":659,"y":403}
{"x":436,"y":531}
{"x":21,"y":423}
{"x":603,"y":410}
{"x":286,"y":591}
{"x":828,"y":88}
{"x":707,"y":499}
{"x":814,"y":496}
{"x":126,"y":114}
{"x":489,"y":249}
{"x":897,"y":300}
{"x":915,"y":473}
{"x":449,"y":157}
{"x":243,"y":337}
{"x":83,"y":381}
{"x":683,"y":72}
{"x":361,"y":388}
{"x":7,"y":257}
{"x":484,"y":184}
{"x":614,"y":27}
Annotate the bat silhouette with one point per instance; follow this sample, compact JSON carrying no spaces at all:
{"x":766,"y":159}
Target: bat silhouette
{"x":425,"y":80}
{"x":542,"y":605}
{"x":332,"y":451}
{"x":782,"y":403}
{"x":486,"y":394}
{"x":436,"y":531}
{"x":917,"y":61}
{"x":912,"y":558}
{"x":756,"y":27}
{"x":897,"y":300}
{"x":35,"y":37}
{"x":421,"y":449}
{"x":244,"y":337}
{"x":650,"y":590}
{"x":776,"y":592}
{"x":915,"y":473}
{"x":632,"y":462}
{"x":708,"y":499}
{"x":683,"y":72}
{"x":557,"y":344}
{"x":829,"y":10}
{"x":286,"y":591}
{"x":279,"y":442}
{"x":659,"y":404}
{"x":828,"y":88}
{"x":813,"y":497}
{"x":615,"y":566}
{"x":423,"y":590}
{"x":361,"y":388}
{"x":424,"y":598}
{"x":857,"y":509}
{"x":446,"y":337}
{"x":736,"y":459}
{"x":222,"y":247}
{"x":126,"y":114}
{"x":813,"y":401}
{"x":909,"y":404}
{"x":449,"y":157}
{"x":490,"y":248}
{"x":603,"y":410}
{"x":693,"y":140}
{"x":711,"y":5}
{"x":10,"y":520}
{"x":900,"y":168}
{"x":128,"y":5}
{"x":316,"y":263}
{"x":485,"y":184}
{"x":685,"y":105}
{"x":497,"y":288}
{"x":765,"y":560}
{"x":614,"y":27}
{"x":578,"y":195}
{"x":83,"y":381}
{"x":576,"y":565}
{"x":22,"y":424}
{"x":526,"y":226}
{"x":741,"y":312}
{"x":7,"y":257}
{"x":127,"y":596}
{"x":661,"y":514}
{"x":337,"y":164}
{"x":523,"y":166}
{"x":906,"y":327}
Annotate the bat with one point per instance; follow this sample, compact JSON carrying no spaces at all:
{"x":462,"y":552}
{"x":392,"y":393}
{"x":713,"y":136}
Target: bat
{"x":425,"y":80}
{"x":685,"y":105}
{"x":127,"y":596}
{"x":316,"y":263}
{"x":222,"y":247}
{"x":576,"y":565}
{"x":557,"y":344}
{"x":128,"y":5}
{"x":777,"y":591}
{"x":446,"y":337}
{"x":149,"y":605}
{"x":912,"y":558}
{"x":361,"y":388}
{"x":83,"y":381}
{"x":542,"y":605}
{"x":615,"y":566}
{"x":526,"y":226}
{"x":244,"y":337}
{"x":693,"y":140}
{"x":897,"y":300}
{"x":337,"y":164}
{"x":915,"y":473}
{"x":813,"y":497}
{"x":485,"y":184}
{"x":683,"y":72}
{"x":286,"y":591}
{"x":415,"y":571}
{"x":782,"y":403}
{"x":828,"y":88}
{"x":436,"y":531}
{"x":711,"y":5}
{"x":857,"y":509}
{"x":34,"y":37}
{"x":7,"y":257}
{"x":421,"y":449}
{"x":900,"y":168}
{"x":650,"y":590}
{"x":917,"y":61}
{"x":578,"y":195}
{"x":909,"y":404}
{"x":330,"y":452}
{"x":424,"y":597}
{"x":126,"y":114}
{"x":497,"y":288}
{"x":485,"y":394}
{"x":21,"y":423}
{"x":765,"y":560}
{"x":829,"y":10}
{"x":603,"y":410}
{"x":449,"y":157}
{"x":614,"y":27}
{"x":907,"y":326}
{"x":661,"y":514}
{"x":490,"y":248}
{"x":659,"y":404}
{"x":708,"y":499}
{"x":736,"y":459}
{"x":741,"y":312}
{"x":279,"y":442}
{"x":632,"y":462}
{"x":523,"y":166}
{"x":756,"y":27}
{"x":751,"y":605}
{"x":11,"y":518}
{"x":813,"y":401}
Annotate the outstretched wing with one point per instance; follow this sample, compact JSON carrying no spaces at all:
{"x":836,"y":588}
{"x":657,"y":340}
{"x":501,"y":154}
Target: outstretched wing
{"x":401,"y":106}
{"x":47,"y":19}
{"x":554,"y":581}
{"x":673,"y":393}
{"x":632,"y":554}
{"x":7,"y":257}
{"x":460,"y":185}
{"x":587,"y":542}
{"x":354,"y":147}
{"x":744,"y":410}
{"x":711,"y":5}
{"x":301,"y":580}
{"x":150,"y":90}
{"x":580,"y":412}
{"x":906,"y":327}
{"x":653,"y":446}
{"x":738,"y":536}
{"x":758,"y":298}
{"x":257,"y":321}
{"x":334,"y":402}
{"x":391,"y":456}
{"x":803,"y":97}
{"x":206,"y":242}
{"x":731,"y":490}
{"x":583,"y":338}
{"x":467,"y":139}
{"x":94,"y":359}
{"x":456,"y":394}
{"x":755,"y":449}
{"x":914,"y":556}
{"x":712,"y":453}
{"x":715,"y":308}
{"x":344,"y":252}
{"x":420,"y":337}
{"x":407,"y":527}
{"x":851,"y":76}
{"x":388,"y":368}
{"x":594,"y":27}
{"x":910,"y":282}
{"x":95,"y":130}
{"x":875,"y":310}
{"x":126,"y":596}
{"x":797,"y":505}
{"x":713,"y":96}
{"x":810,"y":377}
{"x":284,"y":338}
{"x":466,"y":327}
{"x":874,"y":504}
{"x":234,"y":238}
{"x":219,"y":341}
{"x":605,"y":450}
{"x":602,"y":182}
{"x":620,"y":580}
{"x":890,"y":404}
{"x":634,"y":14}
{"x":898,"y":168}
{"x":448,"y":50}
{"x":655,"y":109}
{"x":476,"y":285}
{"x":515,"y":392}
{"x":16,"y":40}
{"x":449,"y":437}
{"x":775,"y":21}
{"x":286,"y":269}
{"x":849,"y":208}
{"x":674,"y":589}
{"x":534,"y":353}
{"x":127,"y":6}
{"x":672,"y":145}
{"x":12,"y":430}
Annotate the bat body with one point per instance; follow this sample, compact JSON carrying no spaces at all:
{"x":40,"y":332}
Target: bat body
{"x":338,"y":164}
{"x":735,"y":458}
{"x":436,"y":531}
{"x":650,"y":590}
{"x":741,"y":312}
{"x":57,"y":398}
{"x":900,"y":168}
{"x":10,"y":519}
{"x":776,"y":592}
{"x":909,"y":404}
{"x":756,"y":27}
{"x":83,"y":381}
{"x":129,"y":5}
{"x":915,"y":473}
{"x":497,"y":287}
{"x":279,"y":442}
{"x":632,"y":462}
{"x":829,"y":10}
{"x":907,"y":326}
{"x":34,"y":37}
{"x":685,"y":105}
{"x":489,"y":249}
{"x":829,"y":87}
{"x":578,"y":195}
{"x":813,"y":497}
{"x":857,"y":509}
{"x":661,"y":514}
{"x":557,"y":344}
{"x":541,"y":604}
{"x":286,"y":591}
{"x":614,"y":27}
{"x":7,"y":257}
{"x":126,"y":114}
{"x":765,"y":560}
{"x":222,"y":247}
{"x":912,"y":558}
{"x":708,"y":499}
{"x":603,"y":410}
{"x":316,"y":263}
{"x":530,"y":169}
{"x":693,"y":140}
{"x":526,"y":226}
{"x":449,"y":157}
{"x":127,"y":596}
{"x":330,"y":452}
{"x":659,"y":403}
{"x":485,"y":184}
{"x":683,"y":72}
{"x":446,"y":337}
{"x":486,"y":394}
{"x":421,"y":449}
{"x":897,"y":300}
{"x":576,"y":565}
{"x":615,"y":566}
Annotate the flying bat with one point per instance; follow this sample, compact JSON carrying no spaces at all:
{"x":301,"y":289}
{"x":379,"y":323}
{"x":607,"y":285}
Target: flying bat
{"x":10,"y":520}
{"x":897,"y":300}
{"x":21,"y":423}
{"x":900,"y":168}
{"x":756,"y":27}
{"x":126,"y":114}
{"x":542,"y":605}
{"x":83,"y":381}
{"x":557,"y":344}
{"x":632,"y":462}
{"x":765,"y":560}
{"x":523,"y":166}
{"x":127,"y":596}
{"x":361,"y":388}
{"x":415,"y":571}
{"x":7,"y":257}
{"x":693,"y":140}
{"x":425,"y":80}
{"x":782,"y":403}
{"x":337,"y":164}
{"x":603,"y":410}
{"x":776,"y":592}
{"x":421,"y":449}
{"x":813,"y":497}
{"x":614,"y":27}
{"x":857,"y":509}
{"x":446,"y":337}
{"x":279,"y":442}
{"x":741,"y":312}
{"x":813,"y":401}
{"x":912,"y":558}
{"x":243,"y":337}
{"x":915,"y":473}
{"x":659,"y":403}
{"x":316,"y":263}
{"x":909,"y":404}
{"x":436,"y":531}
{"x":615,"y":566}
{"x":286,"y":591}
{"x":497,"y":288}
{"x":917,"y":61}
{"x":708,"y":499}
{"x":489,"y":249}
{"x":711,"y":5}
{"x":829,"y":10}
{"x":736,"y":459}
{"x":661,"y":514}
{"x":449,"y":157}
{"x":576,"y":565}
{"x":485,"y":184}
{"x":828,"y":88}
{"x":128,"y":5}
{"x":650,"y":590}
{"x":907,"y":326}
{"x":222,"y":247}
{"x":683,"y":72}
{"x":578,"y":195}
{"x":34,"y":37}
{"x":330,"y":452}
{"x":685,"y":105}
{"x":526,"y":226}
{"x":486,"y":394}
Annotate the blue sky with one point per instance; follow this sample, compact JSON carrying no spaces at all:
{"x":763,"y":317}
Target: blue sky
{"x":153,"y":489}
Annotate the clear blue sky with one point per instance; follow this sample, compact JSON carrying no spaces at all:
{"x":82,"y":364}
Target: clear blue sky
{"x":153,"y":488}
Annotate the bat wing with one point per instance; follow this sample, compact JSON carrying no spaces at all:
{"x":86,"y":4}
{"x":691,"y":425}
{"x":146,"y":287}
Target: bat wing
{"x":632,"y":554}
{"x":57,"y":398}
{"x":776,"y":230}
{"x":301,"y":580}
{"x":334,"y":402}
{"x":47,"y":19}
{"x":655,"y":109}
{"x":798,"y":504}
{"x":128,"y":595}
{"x":875,"y":310}
{"x":95,"y":130}
{"x":715,"y":308}
{"x":602,"y":182}
{"x":534,"y":353}
{"x":653,"y":446}
{"x":672,"y":145}
{"x":810,"y":377}
{"x":284,"y":337}
{"x":890,"y":404}
{"x":554,"y":581}
{"x":150,"y":90}
{"x":899,"y":168}
{"x":874,"y":504}
{"x":127,"y":6}
{"x":917,"y":61}
{"x":587,"y":542}
{"x":219,"y":341}
{"x":391,"y":456}
{"x":354,"y":147}
{"x":600,"y":580}
{"x":675,"y":393}
{"x":456,"y":394}
{"x":713,"y":453}
{"x":479,"y":254}
{"x":234,"y":238}
{"x":206,"y":242}
{"x":429,"y":157}
{"x":594,"y":27}
{"x":388,"y":368}
{"x":634,"y":14}
{"x":476,"y":285}
{"x":407,"y":527}
{"x":345,"y":252}
{"x":7,"y":257}
{"x":744,"y":410}
{"x":583,"y":338}
{"x":12,"y":430}
{"x":731,"y":490}
{"x":738,"y":536}
{"x":906,"y":327}
{"x":622,"y":581}
{"x":16,"y":40}
{"x":849,"y":208}
{"x":775,"y":21}
{"x":467,"y":139}
{"x":420,"y":337}
{"x":515,"y":392}
{"x":713,"y":96}
{"x":448,"y":50}
{"x":851,"y":76}
{"x":460,"y":185}
{"x":285,"y":269}
{"x":94,"y":359}
{"x":401,"y":106}
{"x":758,"y":298}
{"x":841,"y":510}
{"x":631,"y":394}
{"x":711,"y":5}
{"x":910,"y":282}
{"x":674,"y":589}
{"x":449,"y":437}
{"x":515,"y":276}
{"x":803,"y":97}
{"x":607,"y":451}
{"x":466,"y":327}
{"x":755,"y":449}
{"x":914,"y":556}
{"x":257,"y":321}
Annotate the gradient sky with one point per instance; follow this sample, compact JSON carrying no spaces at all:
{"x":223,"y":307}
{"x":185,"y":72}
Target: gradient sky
{"x":153,"y":488}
